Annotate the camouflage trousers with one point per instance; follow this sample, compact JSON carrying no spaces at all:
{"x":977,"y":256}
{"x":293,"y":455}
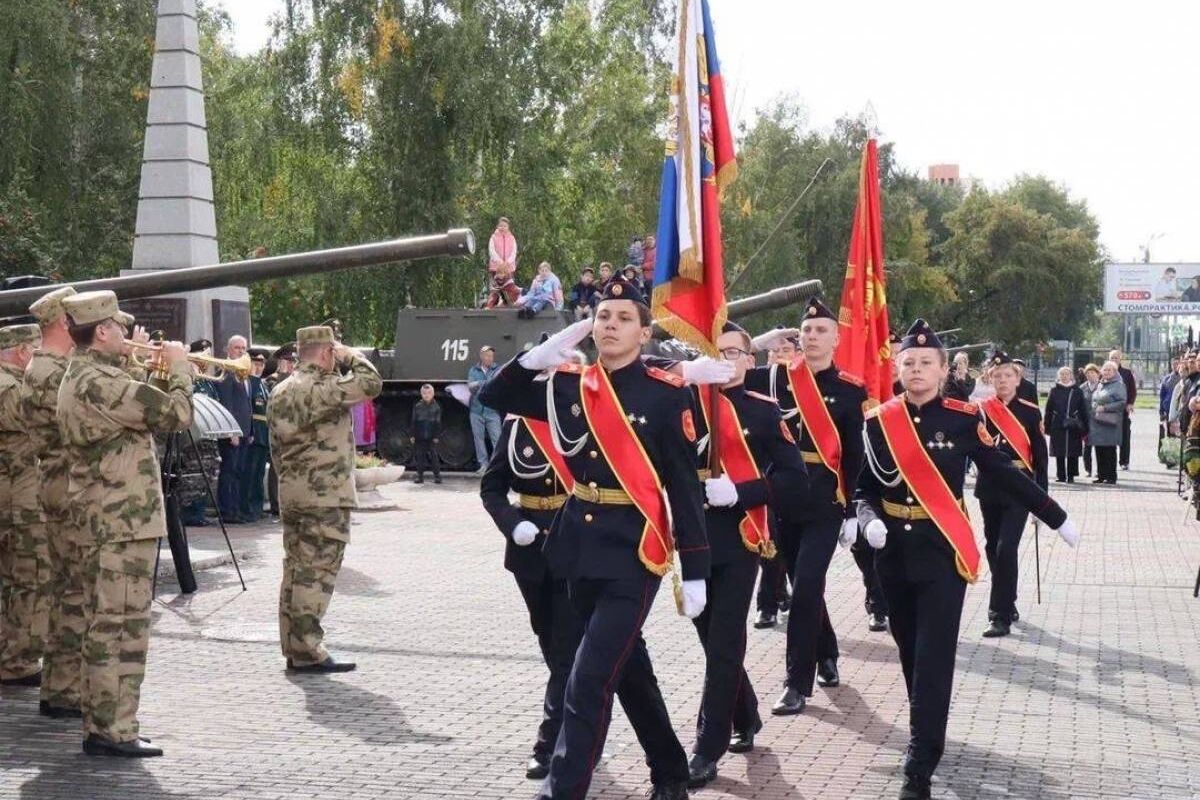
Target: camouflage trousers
{"x":62,"y":662}
{"x":25,"y":576}
{"x":314,"y":541}
{"x":117,"y":583}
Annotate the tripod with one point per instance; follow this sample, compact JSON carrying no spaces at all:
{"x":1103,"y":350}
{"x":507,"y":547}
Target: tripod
{"x":172,"y":472}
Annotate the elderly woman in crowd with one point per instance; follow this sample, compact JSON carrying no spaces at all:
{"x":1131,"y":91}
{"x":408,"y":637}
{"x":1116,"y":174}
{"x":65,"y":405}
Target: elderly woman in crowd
{"x":1104,"y":432}
{"x":1066,"y":422}
{"x":1089,"y":382}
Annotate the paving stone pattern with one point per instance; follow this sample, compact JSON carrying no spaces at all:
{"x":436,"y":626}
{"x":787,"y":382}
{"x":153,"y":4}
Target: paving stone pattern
{"x":1095,"y":695}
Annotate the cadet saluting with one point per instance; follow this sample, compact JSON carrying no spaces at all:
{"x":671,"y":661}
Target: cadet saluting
{"x":108,"y":420}
{"x":312,"y":442}
{"x":1015,"y":424}
{"x":627,"y":431}
{"x":910,"y":506}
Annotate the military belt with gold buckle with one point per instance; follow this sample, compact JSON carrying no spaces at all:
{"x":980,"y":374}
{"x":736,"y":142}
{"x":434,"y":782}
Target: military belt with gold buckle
{"x":704,"y":474}
{"x":603,"y":497}
{"x":537,"y":502}
{"x":1019,"y":464}
{"x":901,"y":511}
{"x":810,"y":457}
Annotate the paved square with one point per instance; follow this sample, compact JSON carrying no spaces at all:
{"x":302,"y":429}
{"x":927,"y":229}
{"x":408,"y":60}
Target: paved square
{"x":1097,"y":693}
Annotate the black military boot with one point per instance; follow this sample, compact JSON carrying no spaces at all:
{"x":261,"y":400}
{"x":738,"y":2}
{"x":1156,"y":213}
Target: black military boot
{"x":743,"y":741}
{"x":998,"y":628}
{"x":58,"y":712}
{"x":827,"y":673}
{"x":538,"y":766}
{"x":700,"y":771}
{"x":676,"y":790}
{"x":95,"y":745}
{"x":326,"y":666}
{"x":790,"y":702}
{"x":876,"y":622}
{"x":28,"y":680}
{"x":765,"y":619}
{"x":915,"y":788}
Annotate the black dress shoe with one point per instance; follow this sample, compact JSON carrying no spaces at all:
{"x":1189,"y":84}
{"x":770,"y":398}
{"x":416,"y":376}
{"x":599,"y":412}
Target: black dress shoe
{"x":58,"y":712}
{"x":743,"y":741}
{"x":328,"y":665}
{"x":785,"y":603}
{"x":765,"y":619}
{"x":876,"y":622}
{"x":700,"y":771}
{"x":915,"y":789}
{"x":790,"y":702}
{"x":827,"y":673}
{"x":670,"y":791}
{"x":538,"y":767}
{"x":996,"y":629}
{"x":29,"y":680}
{"x":95,"y":745}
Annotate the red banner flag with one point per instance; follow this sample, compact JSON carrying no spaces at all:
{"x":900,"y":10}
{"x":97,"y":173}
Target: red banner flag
{"x":864,"y":349}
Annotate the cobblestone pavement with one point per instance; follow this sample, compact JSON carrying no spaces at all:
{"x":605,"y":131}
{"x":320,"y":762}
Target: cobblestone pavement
{"x":1095,"y":695}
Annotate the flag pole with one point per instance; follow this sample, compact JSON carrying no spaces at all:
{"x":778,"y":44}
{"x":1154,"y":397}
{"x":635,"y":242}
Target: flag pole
{"x":714,"y":426}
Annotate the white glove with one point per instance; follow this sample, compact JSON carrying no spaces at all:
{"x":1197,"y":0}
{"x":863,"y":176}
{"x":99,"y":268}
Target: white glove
{"x":705,"y":370}
{"x":720,"y":492}
{"x":876,"y":533}
{"x":772,"y":339}
{"x":848,"y":533}
{"x":695,"y":598}
{"x":557,"y":349}
{"x":1068,"y":533}
{"x":524,"y":534}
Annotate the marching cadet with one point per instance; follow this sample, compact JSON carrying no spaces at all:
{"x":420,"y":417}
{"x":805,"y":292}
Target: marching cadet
{"x":761,"y":470}
{"x":107,"y":420}
{"x":24,"y":551}
{"x":526,"y":462}
{"x":627,"y":432}
{"x":1015,"y":424}
{"x":313,"y":445}
{"x":828,"y":406}
{"x":62,"y":662}
{"x":910,"y":507}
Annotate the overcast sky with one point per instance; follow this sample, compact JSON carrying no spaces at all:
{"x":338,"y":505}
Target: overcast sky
{"x":1104,"y":98}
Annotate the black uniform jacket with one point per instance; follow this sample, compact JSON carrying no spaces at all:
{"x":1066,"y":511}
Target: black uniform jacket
{"x":1030,"y":417}
{"x":951,"y":432}
{"x":520,"y":465}
{"x":784,"y":476}
{"x":845,"y":398}
{"x":590,"y":540}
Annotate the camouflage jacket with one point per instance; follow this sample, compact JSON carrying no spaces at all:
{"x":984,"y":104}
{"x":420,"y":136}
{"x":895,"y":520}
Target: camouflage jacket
{"x":18,"y":452}
{"x":312,"y":443}
{"x":107,"y":420}
{"x":42,"y":378}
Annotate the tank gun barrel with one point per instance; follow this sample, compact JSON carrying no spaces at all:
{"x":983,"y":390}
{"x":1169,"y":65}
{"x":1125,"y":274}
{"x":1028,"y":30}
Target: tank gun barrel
{"x":456,"y":242}
{"x":767,"y":301}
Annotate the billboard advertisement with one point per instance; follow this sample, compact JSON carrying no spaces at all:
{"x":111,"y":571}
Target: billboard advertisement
{"x":1152,"y":288}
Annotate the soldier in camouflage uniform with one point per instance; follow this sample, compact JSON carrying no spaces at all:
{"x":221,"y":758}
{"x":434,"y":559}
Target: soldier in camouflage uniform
{"x":62,"y":660}
{"x":108,"y":420}
{"x":285,"y":362}
{"x":24,"y":557}
{"x":313,"y":447}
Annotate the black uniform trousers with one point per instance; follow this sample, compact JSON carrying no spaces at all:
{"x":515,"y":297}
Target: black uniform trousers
{"x":864,"y":557}
{"x":425,"y":457}
{"x":809,"y":547}
{"x":729,"y":702}
{"x":612,"y":657}
{"x":558,"y":629}
{"x":1003,"y":524}
{"x":924,"y":618}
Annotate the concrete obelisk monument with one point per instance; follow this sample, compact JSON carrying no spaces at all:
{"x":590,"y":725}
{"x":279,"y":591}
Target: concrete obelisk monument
{"x":176,"y":220}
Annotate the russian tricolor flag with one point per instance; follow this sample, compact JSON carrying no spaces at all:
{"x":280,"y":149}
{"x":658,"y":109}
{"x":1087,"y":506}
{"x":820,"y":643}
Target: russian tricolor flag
{"x":689,"y":282}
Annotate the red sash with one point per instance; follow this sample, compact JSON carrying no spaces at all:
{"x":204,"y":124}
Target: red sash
{"x":624,"y":452}
{"x":817,"y":420}
{"x":738,"y":462}
{"x":1000,"y":415}
{"x":926,"y":482}
{"x":540,"y":431}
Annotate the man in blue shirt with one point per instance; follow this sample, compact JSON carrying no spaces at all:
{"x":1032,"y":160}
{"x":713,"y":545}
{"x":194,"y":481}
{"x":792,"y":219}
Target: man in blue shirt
{"x":485,"y":422}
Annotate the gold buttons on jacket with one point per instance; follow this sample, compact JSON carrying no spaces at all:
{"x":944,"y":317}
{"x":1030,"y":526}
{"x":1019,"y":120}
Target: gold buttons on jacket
{"x":587,"y":517}
{"x":908,"y":526}
{"x":545,"y":530}
{"x":908,"y":500}
{"x":917,"y":420}
{"x":593,"y":454}
{"x":592,"y":484}
{"x":549,"y":481}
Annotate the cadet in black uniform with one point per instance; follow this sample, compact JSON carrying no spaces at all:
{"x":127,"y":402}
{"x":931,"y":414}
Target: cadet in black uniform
{"x":519,"y":464}
{"x":611,"y":554}
{"x":773,"y":596}
{"x":923,"y":575}
{"x":1004,"y":522}
{"x":738,"y":501}
{"x":809,"y":542}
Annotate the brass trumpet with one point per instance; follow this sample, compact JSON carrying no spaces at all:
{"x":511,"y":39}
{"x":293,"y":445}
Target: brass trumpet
{"x":240,"y":367}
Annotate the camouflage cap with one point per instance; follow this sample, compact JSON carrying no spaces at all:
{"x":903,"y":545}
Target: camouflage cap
{"x":88,"y":308}
{"x":49,"y":307}
{"x":16,"y":335}
{"x":315,"y":334}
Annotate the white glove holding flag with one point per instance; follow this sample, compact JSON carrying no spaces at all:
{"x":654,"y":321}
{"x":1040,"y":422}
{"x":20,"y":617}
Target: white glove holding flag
{"x":557,"y":349}
{"x":876,"y":533}
{"x":720,"y":492}
{"x":705,"y":370}
{"x":772,"y":339}
{"x":1068,"y":533}
{"x":848,"y":533}
{"x":524,"y":534}
{"x":695,"y":598}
